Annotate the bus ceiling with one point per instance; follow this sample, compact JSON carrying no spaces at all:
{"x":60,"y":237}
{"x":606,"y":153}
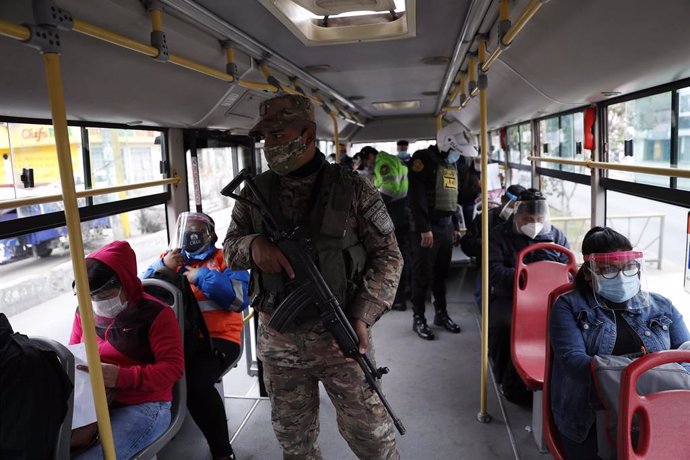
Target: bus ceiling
{"x":566,"y":57}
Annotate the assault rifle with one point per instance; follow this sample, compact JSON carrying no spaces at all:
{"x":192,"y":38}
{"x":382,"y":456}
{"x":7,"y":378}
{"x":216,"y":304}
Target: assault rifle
{"x":311,"y":289}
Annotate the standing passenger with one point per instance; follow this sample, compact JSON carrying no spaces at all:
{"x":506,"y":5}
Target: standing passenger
{"x":433,"y":199}
{"x":356,"y":252}
{"x":403,"y":153}
{"x":528,"y":225}
{"x":221,"y":294}
{"x":390,"y":177}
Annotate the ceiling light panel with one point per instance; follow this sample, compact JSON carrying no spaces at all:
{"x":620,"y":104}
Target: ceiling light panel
{"x":396,"y":105}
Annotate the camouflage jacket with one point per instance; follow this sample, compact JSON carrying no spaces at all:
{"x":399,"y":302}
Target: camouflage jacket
{"x":384,"y":261}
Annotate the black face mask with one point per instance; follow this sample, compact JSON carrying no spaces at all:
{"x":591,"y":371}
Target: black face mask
{"x":193,"y":241}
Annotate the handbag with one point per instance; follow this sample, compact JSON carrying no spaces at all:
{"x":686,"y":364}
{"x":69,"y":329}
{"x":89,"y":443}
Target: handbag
{"x":606,"y":372}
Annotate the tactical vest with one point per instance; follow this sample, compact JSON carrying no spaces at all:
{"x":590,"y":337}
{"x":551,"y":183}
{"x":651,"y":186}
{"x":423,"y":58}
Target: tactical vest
{"x":390,"y":176}
{"x":446,"y":190}
{"x":335,"y":247}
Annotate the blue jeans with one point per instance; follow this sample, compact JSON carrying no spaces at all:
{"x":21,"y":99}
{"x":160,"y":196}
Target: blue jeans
{"x":134,"y":427}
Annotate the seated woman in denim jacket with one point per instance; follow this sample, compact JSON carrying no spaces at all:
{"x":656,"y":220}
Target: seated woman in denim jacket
{"x":606,"y":314}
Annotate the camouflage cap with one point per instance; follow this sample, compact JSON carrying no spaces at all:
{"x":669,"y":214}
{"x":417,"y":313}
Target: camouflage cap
{"x":283,"y":110}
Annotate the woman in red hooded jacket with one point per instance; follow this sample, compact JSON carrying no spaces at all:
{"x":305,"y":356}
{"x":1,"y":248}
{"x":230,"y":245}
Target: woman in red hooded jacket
{"x":140,"y":348}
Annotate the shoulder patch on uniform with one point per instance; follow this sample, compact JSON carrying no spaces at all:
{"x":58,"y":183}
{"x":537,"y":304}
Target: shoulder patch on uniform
{"x":417,"y":165}
{"x":385,"y":169}
{"x":378,"y":216}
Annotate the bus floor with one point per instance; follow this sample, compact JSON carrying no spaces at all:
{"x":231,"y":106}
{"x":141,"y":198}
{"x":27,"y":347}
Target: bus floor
{"x":432,"y":386}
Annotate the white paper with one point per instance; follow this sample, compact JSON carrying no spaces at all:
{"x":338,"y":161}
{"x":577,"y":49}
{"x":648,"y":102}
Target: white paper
{"x":84,"y":408}
{"x":493,"y":176}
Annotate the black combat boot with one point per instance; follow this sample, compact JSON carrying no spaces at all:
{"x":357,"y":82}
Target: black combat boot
{"x":421,"y":328}
{"x":442,"y":319}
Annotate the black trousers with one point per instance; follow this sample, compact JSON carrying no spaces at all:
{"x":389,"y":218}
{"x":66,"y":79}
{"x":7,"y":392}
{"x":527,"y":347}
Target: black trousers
{"x":430,"y":266}
{"x":403,"y":237}
{"x":203,"y":401}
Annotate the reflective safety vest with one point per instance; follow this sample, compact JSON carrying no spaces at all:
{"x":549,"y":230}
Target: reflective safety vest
{"x":390,"y":176}
{"x":335,"y":247}
{"x":446,"y":191}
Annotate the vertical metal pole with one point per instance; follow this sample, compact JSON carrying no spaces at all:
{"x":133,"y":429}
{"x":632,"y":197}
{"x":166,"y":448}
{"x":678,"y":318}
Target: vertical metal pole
{"x":336,"y":138}
{"x":439,"y":122}
{"x":51,"y":63}
{"x":483,"y":415}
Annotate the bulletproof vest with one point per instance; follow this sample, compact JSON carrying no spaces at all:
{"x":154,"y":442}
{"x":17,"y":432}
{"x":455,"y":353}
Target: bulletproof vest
{"x":334,"y":247}
{"x":446,"y":190}
{"x":390,"y":176}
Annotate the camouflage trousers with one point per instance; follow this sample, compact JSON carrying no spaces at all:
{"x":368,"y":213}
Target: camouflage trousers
{"x":294,"y":363}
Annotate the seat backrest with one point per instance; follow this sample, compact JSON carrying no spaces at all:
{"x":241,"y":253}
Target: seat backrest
{"x":62,"y":448}
{"x":532,"y":286}
{"x":663,"y":416}
{"x":550,"y":432}
{"x":171,"y":295}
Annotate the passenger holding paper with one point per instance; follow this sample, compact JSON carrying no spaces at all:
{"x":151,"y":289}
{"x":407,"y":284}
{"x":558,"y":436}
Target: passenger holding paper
{"x":140,"y":347}
{"x":221,"y":294}
{"x":608,"y":313}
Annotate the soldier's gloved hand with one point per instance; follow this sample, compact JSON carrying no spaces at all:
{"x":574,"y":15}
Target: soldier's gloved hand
{"x":427,"y":239}
{"x":269,"y":258}
{"x":173,"y":259}
{"x":361,"y":329}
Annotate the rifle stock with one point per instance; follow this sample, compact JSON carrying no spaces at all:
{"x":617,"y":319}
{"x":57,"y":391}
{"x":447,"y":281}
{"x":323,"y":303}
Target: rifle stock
{"x":312,"y":290}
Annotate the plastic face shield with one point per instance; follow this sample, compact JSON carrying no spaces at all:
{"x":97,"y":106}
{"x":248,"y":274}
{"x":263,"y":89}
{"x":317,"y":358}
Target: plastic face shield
{"x":533,"y":214}
{"x":193,"y":232}
{"x":618,"y":276}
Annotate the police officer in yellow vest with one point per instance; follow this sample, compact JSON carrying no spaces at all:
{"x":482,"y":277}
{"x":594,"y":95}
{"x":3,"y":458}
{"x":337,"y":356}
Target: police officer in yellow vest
{"x":433,"y":198}
{"x":390,"y":178}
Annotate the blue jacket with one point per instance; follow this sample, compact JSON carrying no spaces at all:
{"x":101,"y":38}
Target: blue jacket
{"x":579,"y":328}
{"x":504,"y":245}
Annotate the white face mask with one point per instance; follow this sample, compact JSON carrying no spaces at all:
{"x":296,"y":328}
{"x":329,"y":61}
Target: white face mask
{"x":532,"y":230}
{"x":109,"y":308}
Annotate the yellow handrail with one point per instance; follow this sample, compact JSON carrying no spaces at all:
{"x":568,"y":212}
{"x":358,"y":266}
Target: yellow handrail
{"x":668,"y":172}
{"x":522,"y":21}
{"x":113,"y":38}
{"x":9,"y":204}
{"x":483,"y":415}
{"x":51,"y":63}
{"x":15,"y":31}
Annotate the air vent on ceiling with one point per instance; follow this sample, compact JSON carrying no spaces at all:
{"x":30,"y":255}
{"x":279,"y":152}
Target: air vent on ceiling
{"x":323,"y":22}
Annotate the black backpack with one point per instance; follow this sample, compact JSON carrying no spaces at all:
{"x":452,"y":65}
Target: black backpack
{"x":197,"y":339}
{"x":34,"y":390}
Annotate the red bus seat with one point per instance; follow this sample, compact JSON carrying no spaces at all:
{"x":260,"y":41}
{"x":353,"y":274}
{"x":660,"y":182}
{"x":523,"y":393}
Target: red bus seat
{"x":663,"y":417}
{"x":533,"y":284}
{"x":550,"y":432}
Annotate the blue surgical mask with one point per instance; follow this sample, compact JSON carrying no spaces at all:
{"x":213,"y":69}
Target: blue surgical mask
{"x":403,"y":155}
{"x":453,"y":156}
{"x":619,"y":289}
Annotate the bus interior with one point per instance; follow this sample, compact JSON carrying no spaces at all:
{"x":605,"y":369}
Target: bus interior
{"x":588,"y":101}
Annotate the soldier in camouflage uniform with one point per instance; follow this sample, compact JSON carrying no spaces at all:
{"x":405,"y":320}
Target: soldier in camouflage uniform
{"x":357,"y":254}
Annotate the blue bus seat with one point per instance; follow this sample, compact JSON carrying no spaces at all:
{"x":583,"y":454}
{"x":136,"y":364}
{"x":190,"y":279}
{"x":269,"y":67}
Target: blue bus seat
{"x":62,"y":448}
{"x":172,"y":296}
{"x":550,"y":432}
{"x":663,"y":416}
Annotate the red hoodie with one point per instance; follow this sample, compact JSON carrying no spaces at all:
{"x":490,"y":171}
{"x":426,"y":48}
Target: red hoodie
{"x":144,"y":340}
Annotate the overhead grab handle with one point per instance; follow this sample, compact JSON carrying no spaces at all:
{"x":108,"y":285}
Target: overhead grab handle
{"x":158,"y":41}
